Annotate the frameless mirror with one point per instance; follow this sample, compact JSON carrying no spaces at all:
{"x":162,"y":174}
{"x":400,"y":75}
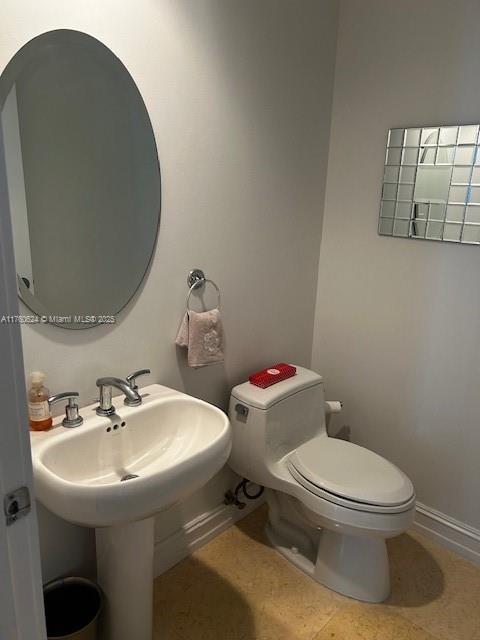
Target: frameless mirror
{"x":431,"y":184}
{"x":83,"y":178}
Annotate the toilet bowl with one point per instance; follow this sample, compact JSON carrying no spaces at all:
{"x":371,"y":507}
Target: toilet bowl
{"x":332,"y":504}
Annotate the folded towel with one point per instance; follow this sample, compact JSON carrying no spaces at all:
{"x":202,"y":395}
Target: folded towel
{"x":202,"y":335}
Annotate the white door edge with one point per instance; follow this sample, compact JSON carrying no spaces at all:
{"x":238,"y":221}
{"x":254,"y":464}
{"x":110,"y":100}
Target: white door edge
{"x":21,"y":603}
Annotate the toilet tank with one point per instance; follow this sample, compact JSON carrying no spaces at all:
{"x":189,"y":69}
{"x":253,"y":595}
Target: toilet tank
{"x":269,"y":423}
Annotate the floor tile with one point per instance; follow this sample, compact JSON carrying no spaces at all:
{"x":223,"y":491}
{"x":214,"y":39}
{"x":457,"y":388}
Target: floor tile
{"x":370,"y":622}
{"x":435,"y":588}
{"x":238,"y":588}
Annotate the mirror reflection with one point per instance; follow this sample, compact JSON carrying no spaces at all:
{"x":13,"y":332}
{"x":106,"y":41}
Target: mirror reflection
{"x":83,"y":177}
{"x":431,"y":184}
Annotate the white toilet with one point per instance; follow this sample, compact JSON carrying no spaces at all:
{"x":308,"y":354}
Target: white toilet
{"x":332,"y":504}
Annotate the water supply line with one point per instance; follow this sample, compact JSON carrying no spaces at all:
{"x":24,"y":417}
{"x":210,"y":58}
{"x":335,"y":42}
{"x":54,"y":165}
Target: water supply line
{"x":233,"y":497}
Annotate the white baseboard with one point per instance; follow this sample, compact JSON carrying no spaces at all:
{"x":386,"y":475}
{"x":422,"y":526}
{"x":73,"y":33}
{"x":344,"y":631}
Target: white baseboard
{"x":196,"y":534}
{"x":444,"y":530}
{"x":448,"y":532}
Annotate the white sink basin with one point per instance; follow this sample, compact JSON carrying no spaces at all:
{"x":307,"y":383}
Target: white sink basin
{"x":115,"y":473}
{"x":174,"y":444}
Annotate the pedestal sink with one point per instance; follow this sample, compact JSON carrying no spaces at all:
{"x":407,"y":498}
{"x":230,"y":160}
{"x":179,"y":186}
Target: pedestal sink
{"x":116,"y":473}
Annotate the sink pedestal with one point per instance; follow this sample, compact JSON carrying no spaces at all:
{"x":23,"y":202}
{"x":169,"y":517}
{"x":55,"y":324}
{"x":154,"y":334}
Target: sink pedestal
{"x":125,"y":573}
{"x":164,"y":449}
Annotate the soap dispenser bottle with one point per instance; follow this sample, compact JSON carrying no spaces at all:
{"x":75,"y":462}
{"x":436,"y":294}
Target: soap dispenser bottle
{"x":38,"y":407}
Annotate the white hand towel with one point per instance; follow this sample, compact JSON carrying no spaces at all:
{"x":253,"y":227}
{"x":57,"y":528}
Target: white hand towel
{"x":202,"y":335}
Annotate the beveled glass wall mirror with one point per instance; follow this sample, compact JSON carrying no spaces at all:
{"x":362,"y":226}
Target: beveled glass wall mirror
{"x":431,"y":184}
{"x":83,"y":178}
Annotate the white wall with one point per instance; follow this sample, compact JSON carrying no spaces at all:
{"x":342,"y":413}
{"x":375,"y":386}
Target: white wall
{"x":239,"y":96}
{"x":397,"y":331}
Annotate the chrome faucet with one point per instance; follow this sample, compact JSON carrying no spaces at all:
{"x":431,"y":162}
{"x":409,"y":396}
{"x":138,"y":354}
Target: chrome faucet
{"x":106,"y":408}
{"x":72,"y":417}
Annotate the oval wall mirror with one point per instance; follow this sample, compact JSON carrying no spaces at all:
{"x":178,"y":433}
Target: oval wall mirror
{"x":83,"y":178}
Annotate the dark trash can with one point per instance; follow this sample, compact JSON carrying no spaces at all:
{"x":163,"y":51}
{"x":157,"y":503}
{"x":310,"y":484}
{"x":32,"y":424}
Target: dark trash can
{"x":72,"y":609}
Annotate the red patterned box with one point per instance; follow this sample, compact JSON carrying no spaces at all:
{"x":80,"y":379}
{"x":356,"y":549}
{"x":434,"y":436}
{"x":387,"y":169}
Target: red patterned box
{"x":276,"y":373}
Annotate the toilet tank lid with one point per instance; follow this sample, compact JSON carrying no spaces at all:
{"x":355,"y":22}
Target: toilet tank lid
{"x":254,"y":396}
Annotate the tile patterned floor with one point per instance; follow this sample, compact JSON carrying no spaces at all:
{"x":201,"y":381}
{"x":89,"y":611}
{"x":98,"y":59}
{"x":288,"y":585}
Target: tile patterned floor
{"x":239,"y":588}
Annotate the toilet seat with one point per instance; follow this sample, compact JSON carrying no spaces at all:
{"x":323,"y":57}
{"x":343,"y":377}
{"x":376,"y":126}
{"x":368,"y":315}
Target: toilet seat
{"x":351,"y":476}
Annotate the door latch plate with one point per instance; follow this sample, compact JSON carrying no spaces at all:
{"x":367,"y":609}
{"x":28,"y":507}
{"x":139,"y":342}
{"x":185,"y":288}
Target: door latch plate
{"x":16,"y":505}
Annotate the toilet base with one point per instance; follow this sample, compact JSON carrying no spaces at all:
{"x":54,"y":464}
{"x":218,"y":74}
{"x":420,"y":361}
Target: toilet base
{"x":355,"y":566}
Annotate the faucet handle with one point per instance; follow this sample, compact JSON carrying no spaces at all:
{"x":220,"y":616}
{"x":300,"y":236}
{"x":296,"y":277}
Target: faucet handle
{"x":72,"y":416}
{"x":131,"y":379}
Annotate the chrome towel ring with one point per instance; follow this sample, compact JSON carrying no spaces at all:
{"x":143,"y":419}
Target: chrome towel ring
{"x":196,"y":280}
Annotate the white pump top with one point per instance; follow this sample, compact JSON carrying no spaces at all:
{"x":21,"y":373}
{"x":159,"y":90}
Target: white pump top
{"x":254,"y":396}
{"x":37,"y":378}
